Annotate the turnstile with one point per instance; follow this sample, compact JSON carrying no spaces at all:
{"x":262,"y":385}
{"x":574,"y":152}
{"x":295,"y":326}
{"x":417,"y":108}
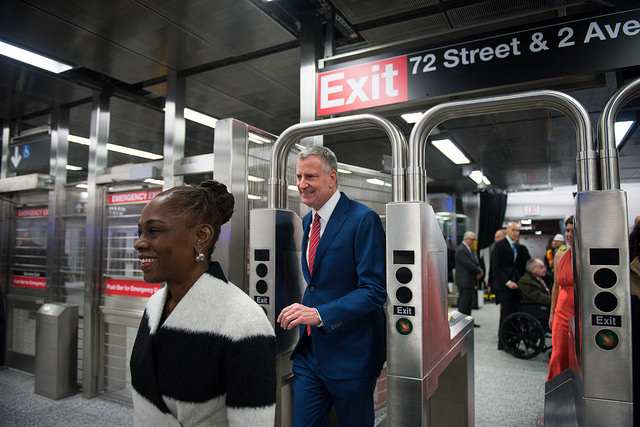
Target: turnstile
{"x":421,"y":356}
{"x":276,"y":281}
{"x":430,"y":362}
{"x":598,"y":387}
{"x":275,"y":236}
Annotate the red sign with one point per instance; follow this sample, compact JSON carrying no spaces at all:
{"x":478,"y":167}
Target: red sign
{"x":131,"y":288}
{"x":363,"y":86}
{"x":32,"y":212}
{"x":133,"y":197}
{"x":30,"y":282}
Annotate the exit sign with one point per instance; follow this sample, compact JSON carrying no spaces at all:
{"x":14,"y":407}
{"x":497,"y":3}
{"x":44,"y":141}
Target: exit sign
{"x":532,"y":210}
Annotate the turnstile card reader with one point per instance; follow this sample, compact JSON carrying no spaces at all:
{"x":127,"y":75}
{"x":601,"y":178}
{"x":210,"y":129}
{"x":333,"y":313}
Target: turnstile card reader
{"x":276,"y":281}
{"x":429,"y":355}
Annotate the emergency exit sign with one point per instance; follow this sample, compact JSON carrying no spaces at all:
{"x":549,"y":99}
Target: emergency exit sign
{"x":532,"y":210}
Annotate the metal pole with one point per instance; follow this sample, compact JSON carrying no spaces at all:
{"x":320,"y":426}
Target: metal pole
{"x":586,"y":162}
{"x":55,"y":229}
{"x":609,"y":165}
{"x":277,"y":196}
{"x":99,"y":135}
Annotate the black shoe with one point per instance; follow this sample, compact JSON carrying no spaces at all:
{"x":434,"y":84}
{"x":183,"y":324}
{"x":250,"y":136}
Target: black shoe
{"x":475,"y":325}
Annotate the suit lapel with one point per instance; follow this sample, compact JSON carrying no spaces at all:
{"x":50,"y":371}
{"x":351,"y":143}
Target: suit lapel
{"x":337,"y":219}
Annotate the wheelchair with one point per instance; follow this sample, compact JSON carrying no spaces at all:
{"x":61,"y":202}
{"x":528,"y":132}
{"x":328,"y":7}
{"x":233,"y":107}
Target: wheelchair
{"x":525,"y":333}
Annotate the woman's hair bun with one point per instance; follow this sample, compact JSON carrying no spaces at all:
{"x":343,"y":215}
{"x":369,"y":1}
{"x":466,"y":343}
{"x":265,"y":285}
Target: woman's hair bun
{"x":223,"y":199}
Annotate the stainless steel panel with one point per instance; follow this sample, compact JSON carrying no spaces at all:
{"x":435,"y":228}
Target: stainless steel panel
{"x":429,"y":355}
{"x":602,"y":270}
{"x":276,"y":281}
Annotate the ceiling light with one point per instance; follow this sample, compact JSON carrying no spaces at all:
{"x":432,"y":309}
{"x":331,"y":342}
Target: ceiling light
{"x":486,"y":181}
{"x":476,"y":176}
{"x":344,"y":171}
{"x":621,"y":129}
{"x":118,"y":148}
{"x":197,"y":117}
{"x":73,"y":168}
{"x":375,"y":181}
{"x":411,"y":117}
{"x":450,"y":150}
{"x":34,"y":59}
{"x":255,"y":178}
{"x":82,"y":185}
{"x":253,"y":197}
{"x":154,"y":181}
{"x":254,"y":137}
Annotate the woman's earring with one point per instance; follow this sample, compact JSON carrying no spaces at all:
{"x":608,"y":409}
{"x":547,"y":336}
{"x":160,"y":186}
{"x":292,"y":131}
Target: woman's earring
{"x":200,"y":257}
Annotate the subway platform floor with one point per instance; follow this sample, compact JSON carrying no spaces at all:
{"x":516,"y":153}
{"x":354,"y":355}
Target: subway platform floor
{"x":508,"y":391}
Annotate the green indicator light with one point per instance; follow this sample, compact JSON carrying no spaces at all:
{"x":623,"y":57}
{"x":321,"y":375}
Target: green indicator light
{"x":404,"y":326}
{"x":607,"y":339}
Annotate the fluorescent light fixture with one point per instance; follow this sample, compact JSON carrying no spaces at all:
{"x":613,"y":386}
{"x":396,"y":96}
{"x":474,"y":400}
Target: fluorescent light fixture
{"x":73,"y":168}
{"x":118,"y":148}
{"x":375,"y":181}
{"x":526,"y":221}
{"x":387,"y":184}
{"x":255,"y":178}
{"x":197,"y":117}
{"x":82,"y":185}
{"x":344,"y":171}
{"x":154,"y":181}
{"x":34,"y":59}
{"x":411,"y":117}
{"x":486,"y":181}
{"x":538,"y":232}
{"x":476,"y":176}
{"x":254,"y":137}
{"x":292,"y":188}
{"x":450,"y":150}
{"x":621,"y":129}
{"x":253,"y":197}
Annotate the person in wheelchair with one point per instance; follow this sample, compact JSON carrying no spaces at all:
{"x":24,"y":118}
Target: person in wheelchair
{"x":532,"y":285}
{"x":524,"y":333}
{"x":535,"y":296}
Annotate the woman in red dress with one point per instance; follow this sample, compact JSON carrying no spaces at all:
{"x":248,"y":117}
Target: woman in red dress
{"x":561,"y":305}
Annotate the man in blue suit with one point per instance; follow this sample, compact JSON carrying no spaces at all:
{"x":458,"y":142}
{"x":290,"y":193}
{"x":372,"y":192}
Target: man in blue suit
{"x":342,"y":344}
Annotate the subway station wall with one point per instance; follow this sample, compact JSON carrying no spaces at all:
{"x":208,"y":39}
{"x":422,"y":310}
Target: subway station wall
{"x":558,"y":203}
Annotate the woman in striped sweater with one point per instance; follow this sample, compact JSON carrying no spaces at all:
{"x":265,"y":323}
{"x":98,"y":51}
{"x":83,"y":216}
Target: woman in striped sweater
{"x":205,"y":352}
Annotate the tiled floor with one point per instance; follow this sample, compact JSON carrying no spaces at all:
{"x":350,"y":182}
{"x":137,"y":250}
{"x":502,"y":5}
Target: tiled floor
{"x":508,"y":391}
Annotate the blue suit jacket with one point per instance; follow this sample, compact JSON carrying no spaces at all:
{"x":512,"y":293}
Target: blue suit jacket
{"x":347,"y":288}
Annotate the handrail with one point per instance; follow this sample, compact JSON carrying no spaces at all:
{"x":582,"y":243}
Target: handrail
{"x":586,"y":161}
{"x":609,"y":165}
{"x":277,"y":196}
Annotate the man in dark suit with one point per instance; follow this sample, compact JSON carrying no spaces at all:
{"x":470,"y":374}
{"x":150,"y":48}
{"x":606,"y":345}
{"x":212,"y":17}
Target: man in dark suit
{"x":468,"y":272}
{"x":508,"y":265}
{"x":532,"y":285}
{"x":342,"y":344}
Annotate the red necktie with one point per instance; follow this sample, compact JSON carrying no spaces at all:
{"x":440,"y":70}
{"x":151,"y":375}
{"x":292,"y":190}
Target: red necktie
{"x":313,"y":245}
{"x":314,"y":240}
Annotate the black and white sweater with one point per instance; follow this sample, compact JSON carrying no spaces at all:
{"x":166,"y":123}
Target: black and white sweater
{"x":212,"y":362}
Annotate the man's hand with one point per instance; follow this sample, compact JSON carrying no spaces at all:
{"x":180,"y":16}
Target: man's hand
{"x":479,"y":275}
{"x":298,"y":314}
{"x":512,"y":285}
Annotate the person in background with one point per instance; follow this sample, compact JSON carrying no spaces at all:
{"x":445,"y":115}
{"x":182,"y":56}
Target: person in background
{"x":561,"y":305}
{"x":507,"y":263}
{"x":498,"y":235}
{"x":205,"y":351}
{"x":468,"y":272}
{"x":342,"y":344}
{"x":634,"y":279}
{"x":557,"y":244}
{"x":532,"y":285}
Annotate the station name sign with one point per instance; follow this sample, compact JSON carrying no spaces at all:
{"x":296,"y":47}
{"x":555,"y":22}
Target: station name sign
{"x":560,"y":48}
